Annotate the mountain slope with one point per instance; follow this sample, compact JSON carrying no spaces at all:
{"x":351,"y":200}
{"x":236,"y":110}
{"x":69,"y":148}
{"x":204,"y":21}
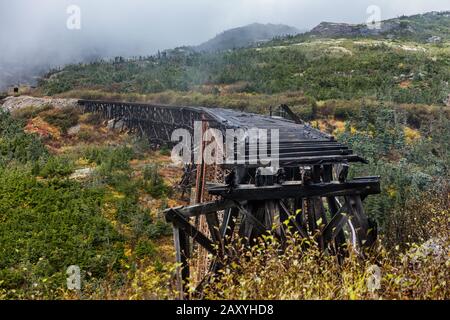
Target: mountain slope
{"x":431,"y":26}
{"x":245,"y":36}
{"x":400,"y":70}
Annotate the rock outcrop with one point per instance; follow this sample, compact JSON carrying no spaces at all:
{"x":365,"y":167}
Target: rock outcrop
{"x":17,"y":103}
{"x":331,"y":29}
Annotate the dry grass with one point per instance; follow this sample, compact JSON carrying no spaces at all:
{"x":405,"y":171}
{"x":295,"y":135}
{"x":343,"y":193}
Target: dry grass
{"x":420,"y":272}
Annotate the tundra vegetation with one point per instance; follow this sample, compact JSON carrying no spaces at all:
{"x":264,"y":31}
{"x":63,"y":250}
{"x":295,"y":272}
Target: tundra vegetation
{"x":74,"y":193}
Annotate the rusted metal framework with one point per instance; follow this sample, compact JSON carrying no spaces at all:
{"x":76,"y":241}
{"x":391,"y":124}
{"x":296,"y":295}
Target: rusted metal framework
{"x":309,"y":188}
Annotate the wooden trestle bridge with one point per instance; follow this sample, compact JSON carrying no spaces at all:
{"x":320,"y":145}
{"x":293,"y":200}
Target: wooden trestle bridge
{"x":310,"y":186}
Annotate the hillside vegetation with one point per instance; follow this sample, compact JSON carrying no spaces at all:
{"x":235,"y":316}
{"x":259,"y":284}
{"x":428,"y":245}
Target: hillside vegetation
{"x":322,"y":69}
{"x":419,"y":27}
{"x":75,"y":191}
{"x":90,"y":197}
{"x":401,"y":69}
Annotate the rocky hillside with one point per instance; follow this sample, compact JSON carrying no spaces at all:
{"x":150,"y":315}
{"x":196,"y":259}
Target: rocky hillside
{"x":17,"y":103}
{"x":245,"y":36}
{"x":431,"y":27}
{"x":399,"y":71}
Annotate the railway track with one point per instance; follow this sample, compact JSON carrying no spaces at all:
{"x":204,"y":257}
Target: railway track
{"x":247,"y":196}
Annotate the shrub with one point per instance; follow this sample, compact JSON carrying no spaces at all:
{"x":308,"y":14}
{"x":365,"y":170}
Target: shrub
{"x":139,"y":220}
{"x":165,"y":151}
{"x":57,"y":167}
{"x":159,"y":229}
{"x":94,"y":119}
{"x":117,"y":159}
{"x":86,"y":136}
{"x":30,"y":111}
{"x":15,"y":144}
{"x":409,"y":172}
{"x":145,"y":249}
{"x":110,"y":159}
{"x":422,"y":218}
{"x":46,"y":227}
{"x":126,"y":209}
{"x":141,"y":146}
{"x":62,"y":118}
{"x":270,"y":271}
{"x":154,"y":183}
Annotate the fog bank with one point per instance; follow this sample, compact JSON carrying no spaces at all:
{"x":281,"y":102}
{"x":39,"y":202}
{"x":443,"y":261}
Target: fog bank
{"x":34,"y":35}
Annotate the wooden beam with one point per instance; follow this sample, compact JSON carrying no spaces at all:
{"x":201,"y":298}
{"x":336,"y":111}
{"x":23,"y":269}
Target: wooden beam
{"x":295,"y":189}
{"x":291,"y":114}
{"x":295,"y":162}
{"x":252,"y":219}
{"x":334,"y":227}
{"x":182,"y":249}
{"x":180,"y":222}
{"x":228,"y":224}
{"x":303,"y":233}
{"x":214,"y":230}
{"x":204,"y":208}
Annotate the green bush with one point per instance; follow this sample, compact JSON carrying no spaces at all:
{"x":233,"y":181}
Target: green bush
{"x":139,"y":220}
{"x":165,"y":151}
{"x":127,"y":208}
{"x":145,"y":249}
{"x":15,"y":144}
{"x":110,"y":159}
{"x":159,"y":229}
{"x":62,"y":118}
{"x":57,"y":167}
{"x":141,"y":146}
{"x":154,"y":183}
{"x":46,"y":227}
{"x":124,"y":183}
{"x":408,"y":172}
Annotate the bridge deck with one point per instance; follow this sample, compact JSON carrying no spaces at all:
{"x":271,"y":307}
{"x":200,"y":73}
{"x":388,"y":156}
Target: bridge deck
{"x":289,"y":130}
{"x":299,"y":143}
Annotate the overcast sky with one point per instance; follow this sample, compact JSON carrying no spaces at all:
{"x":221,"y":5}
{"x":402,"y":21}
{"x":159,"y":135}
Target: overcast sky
{"x":34,"y":32}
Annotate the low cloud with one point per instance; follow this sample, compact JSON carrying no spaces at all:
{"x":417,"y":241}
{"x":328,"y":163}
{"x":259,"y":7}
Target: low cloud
{"x":34,"y":34}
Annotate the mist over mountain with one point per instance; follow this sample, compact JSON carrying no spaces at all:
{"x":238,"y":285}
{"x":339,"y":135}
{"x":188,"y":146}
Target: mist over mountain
{"x":247,"y":35}
{"x":15,"y":70}
{"x":34,"y":36}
